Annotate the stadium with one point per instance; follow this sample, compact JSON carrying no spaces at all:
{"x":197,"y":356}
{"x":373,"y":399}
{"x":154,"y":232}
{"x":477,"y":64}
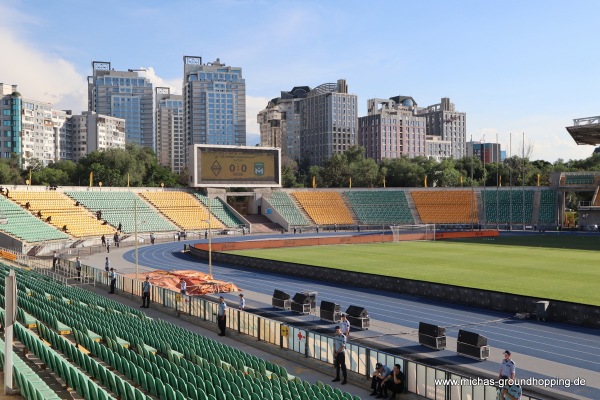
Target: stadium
{"x":499,"y":251}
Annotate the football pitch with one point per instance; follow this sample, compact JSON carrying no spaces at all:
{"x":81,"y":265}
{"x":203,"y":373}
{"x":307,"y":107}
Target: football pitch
{"x":560,"y":267}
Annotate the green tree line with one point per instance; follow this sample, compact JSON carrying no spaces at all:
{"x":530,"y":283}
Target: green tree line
{"x":112,"y":167}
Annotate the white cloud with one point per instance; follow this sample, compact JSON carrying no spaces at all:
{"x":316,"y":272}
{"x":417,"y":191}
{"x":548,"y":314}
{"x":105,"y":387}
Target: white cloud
{"x":174,"y":84}
{"x":40,"y":76}
{"x":253,"y":106}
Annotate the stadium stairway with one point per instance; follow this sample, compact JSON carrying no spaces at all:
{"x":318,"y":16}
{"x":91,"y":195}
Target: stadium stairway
{"x":262,"y":224}
{"x":535,"y":212}
{"x":480,"y":206}
{"x":413,"y":208}
{"x":350,"y":208}
{"x":301,"y":209}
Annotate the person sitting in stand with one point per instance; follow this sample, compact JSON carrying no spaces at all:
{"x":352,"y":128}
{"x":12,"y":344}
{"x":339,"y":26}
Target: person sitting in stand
{"x":49,"y":218}
{"x":64,"y":228}
{"x":27,"y":205}
{"x":39,"y":213}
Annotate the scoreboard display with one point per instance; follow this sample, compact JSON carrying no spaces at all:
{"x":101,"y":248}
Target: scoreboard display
{"x":234,"y":166}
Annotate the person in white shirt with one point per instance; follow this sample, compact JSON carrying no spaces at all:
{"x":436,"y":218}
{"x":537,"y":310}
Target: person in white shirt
{"x":182,"y":286}
{"x":345,"y":324}
{"x":242,"y":302}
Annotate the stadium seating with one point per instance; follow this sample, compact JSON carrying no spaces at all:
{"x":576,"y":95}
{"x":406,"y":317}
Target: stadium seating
{"x":446,"y":207}
{"x":63,"y":212}
{"x":325,"y":208}
{"x":220,"y":211}
{"x":117,"y":352}
{"x":508,"y":206}
{"x":579,"y":179}
{"x":118,"y":207}
{"x":23,"y":225}
{"x":547,"y":213}
{"x":182,"y":209}
{"x":380,"y":207}
{"x":286,"y":207}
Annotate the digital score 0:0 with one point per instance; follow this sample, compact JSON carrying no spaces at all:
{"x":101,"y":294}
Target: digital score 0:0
{"x":231,"y":165}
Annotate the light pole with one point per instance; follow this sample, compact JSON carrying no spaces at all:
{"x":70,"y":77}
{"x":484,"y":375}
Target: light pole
{"x":209,"y":237}
{"x":135,"y":236}
{"x":208,"y":220}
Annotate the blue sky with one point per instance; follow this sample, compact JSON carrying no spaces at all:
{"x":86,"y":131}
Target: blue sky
{"x":513,"y":66}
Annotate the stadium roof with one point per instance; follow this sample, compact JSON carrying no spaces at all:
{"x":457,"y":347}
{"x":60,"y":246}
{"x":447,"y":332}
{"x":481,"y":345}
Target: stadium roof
{"x":585,"y":130}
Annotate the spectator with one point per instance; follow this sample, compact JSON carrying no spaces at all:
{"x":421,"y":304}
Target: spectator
{"x":108,"y":245}
{"x":77,"y":204}
{"x":182,"y":286}
{"x":146,"y":293}
{"x":339,"y":354}
{"x":78,"y":268}
{"x":396,"y":384}
{"x":205,"y":235}
{"x":152,"y":238}
{"x":381,"y":376}
{"x":512,"y":392}
{"x":64,"y":228}
{"x":113,"y":280}
{"x":222,"y":316}
{"x":54,"y":260}
{"x":39,"y":213}
{"x":178,"y":236}
{"x":107,"y":267}
{"x":7,"y":193}
{"x":27,"y":206}
{"x":49,"y":219}
{"x":242,"y":304}
{"x":120,"y":228}
{"x":103,"y":238}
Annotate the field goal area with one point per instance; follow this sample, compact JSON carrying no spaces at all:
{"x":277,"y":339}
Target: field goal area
{"x":425,"y":232}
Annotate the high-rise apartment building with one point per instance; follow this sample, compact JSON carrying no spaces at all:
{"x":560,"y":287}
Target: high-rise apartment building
{"x":329,"y":122}
{"x":214,"y":97}
{"x":448,"y":124}
{"x":126,"y":95}
{"x":486,"y":152}
{"x":280,"y":122}
{"x":170,"y":138}
{"x":392,"y":129}
{"x":10,"y":127}
{"x":91,"y":132}
{"x":437,"y":148}
{"x":40,"y":130}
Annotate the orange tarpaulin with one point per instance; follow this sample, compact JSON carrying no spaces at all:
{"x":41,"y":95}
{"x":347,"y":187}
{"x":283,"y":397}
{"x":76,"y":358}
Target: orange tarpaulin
{"x":198,"y":283}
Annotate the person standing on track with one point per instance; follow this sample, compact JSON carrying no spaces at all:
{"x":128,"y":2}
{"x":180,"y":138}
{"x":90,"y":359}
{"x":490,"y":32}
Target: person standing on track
{"x":242,"y":304}
{"x":345,"y":324}
{"x":182,"y":286}
{"x":507,"y":368}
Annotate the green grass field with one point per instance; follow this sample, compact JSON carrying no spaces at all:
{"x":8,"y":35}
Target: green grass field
{"x":554,"y":267}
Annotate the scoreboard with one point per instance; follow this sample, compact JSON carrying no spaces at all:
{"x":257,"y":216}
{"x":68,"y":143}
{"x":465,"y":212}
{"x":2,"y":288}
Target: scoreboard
{"x":234,"y":166}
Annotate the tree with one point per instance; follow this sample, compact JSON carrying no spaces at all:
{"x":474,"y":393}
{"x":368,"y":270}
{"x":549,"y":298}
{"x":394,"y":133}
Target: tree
{"x":289,"y":171}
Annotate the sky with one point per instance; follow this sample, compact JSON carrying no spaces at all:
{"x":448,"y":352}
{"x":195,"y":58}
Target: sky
{"x":515,"y":67}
